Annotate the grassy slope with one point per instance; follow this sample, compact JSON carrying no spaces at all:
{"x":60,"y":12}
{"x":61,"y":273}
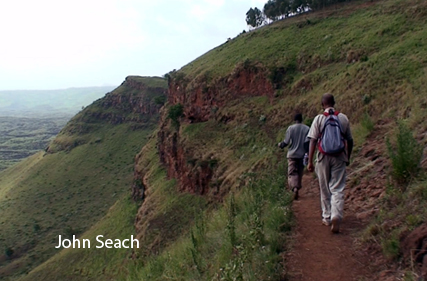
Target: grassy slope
{"x":65,"y":193}
{"x":68,"y":191}
{"x":240,"y":238}
{"x":386,"y":80}
{"x":372,"y":57}
{"x":389,"y":39}
{"x":192,"y":239}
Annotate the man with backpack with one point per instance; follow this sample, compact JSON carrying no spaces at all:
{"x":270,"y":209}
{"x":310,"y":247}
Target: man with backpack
{"x":296,"y":135}
{"x":331,"y":133}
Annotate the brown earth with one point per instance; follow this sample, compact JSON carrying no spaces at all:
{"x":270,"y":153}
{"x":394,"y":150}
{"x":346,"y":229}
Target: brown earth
{"x":316,"y":253}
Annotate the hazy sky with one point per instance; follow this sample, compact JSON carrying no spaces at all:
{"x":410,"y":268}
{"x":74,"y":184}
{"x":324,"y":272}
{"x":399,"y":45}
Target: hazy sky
{"x":51,"y":44}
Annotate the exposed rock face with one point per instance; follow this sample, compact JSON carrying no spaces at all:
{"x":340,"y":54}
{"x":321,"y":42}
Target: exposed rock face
{"x":194,"y":175}
{"x":134,"y":101}
{"x":131,"y":101}
{"x":194,"y":171}
{"x":199,"y":99}
{"x":414,"y":248}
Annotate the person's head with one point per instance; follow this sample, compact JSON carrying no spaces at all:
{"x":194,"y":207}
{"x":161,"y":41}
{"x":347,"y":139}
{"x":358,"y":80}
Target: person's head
{"x":298,"y":118}
{"x":328,"y":100}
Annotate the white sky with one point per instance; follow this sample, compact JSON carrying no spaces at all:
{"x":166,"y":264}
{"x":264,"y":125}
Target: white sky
{"x":52,"y":44}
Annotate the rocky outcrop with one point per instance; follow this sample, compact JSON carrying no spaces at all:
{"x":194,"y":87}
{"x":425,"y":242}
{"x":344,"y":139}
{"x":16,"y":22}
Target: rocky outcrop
{"x":200,"y":96}
{"x":414,"y":248}
{"x":193,"y":174}
{"x":137,"y":100}
{"x":133,"y":101}
{"x":200,"y":99}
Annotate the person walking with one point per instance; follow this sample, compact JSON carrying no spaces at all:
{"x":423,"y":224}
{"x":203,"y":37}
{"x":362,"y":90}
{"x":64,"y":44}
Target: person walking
{"x":331,"y":133}
{"x":295,"y":137}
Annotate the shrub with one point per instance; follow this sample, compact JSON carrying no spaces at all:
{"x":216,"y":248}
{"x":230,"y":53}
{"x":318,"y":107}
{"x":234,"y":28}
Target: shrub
{"x":367,"y":122}
{"x":175,"y":112}
{"x":391,"y":248}
{"x":366,"y":99}
{"x":160,"y":100}
{"x":9,"y":252}
{"x":36,"y":227}
{"x":405,"y":155}
{"x":308,"y":121}
{"x":276,"y":76}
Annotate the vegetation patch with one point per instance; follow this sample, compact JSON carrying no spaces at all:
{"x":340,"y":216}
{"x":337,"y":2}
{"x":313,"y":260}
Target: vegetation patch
{"x":241,"y":239}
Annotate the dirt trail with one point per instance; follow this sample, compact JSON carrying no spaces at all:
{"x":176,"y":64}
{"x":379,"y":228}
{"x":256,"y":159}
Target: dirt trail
{"x":316,"y":253}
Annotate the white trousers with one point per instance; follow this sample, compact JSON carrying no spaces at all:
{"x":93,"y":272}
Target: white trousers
{"x":331,"y":172}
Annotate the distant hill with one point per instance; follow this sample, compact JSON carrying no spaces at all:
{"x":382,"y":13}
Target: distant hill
{"x":21,"y":137}
{"x":29,"y":119}
{"x":86,"y":170}
{"x":42,"y":103}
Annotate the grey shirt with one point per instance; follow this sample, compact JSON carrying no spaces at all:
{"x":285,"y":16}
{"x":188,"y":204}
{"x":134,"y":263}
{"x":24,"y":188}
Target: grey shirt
{"x":295,"y":137}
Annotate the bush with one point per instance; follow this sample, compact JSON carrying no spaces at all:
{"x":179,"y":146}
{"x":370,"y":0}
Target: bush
{"x":9,"y":252}
{"x":308,"y":121}
{"x":160,"y":100}
{"x":367,"y":123}
{"x":405,"y":155}
{"x":175,"y":112}
{"x":391,"y":248}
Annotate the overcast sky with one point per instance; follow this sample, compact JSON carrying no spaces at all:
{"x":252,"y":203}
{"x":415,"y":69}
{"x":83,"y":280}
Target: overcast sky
{"x":52,"y":44}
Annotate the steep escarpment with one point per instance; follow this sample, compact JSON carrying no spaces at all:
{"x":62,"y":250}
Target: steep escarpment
{"x":70,"y":189}
{"x":205,"y":94}
{"x":199,"y":169}
{"x":136,"y":101}
{"x":237,"y":100}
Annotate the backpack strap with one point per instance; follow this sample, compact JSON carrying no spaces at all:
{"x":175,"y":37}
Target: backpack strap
{"x":331,"y":112}
{"x":326,"y":114}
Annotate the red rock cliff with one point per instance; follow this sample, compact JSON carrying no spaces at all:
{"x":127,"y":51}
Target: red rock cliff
{"x":133,"y":100}
{"x":199,"y":99}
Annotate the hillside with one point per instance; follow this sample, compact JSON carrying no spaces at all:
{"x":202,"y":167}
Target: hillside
{"x":210,"y":181}
{"x":85,"y":171}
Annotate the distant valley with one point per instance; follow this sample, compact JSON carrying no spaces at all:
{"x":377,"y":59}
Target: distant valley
{"x":29,"y":119}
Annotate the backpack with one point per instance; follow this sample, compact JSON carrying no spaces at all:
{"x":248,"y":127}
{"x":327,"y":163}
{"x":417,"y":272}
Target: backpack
{"x":331,"y":141}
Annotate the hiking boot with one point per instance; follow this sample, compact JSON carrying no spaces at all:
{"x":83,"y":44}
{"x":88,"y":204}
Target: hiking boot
{"x":335,"y":225}
{"x":296,"y":195}
{"x":326,"y":222}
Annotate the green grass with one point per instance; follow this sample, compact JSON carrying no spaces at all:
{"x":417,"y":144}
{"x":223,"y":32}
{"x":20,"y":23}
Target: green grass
{"x":400,"y":213}
{"x":94,"y":263}
{"x":243,"y":237}
{"x":88,"y":168}
{"x":152,"y":82}
{"x":405,"y":155}
{"x":371,"y":57}
{"x":64,"y":191}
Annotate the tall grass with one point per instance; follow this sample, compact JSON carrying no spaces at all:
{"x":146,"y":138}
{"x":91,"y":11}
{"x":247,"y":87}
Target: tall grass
{"x":241,"y":239}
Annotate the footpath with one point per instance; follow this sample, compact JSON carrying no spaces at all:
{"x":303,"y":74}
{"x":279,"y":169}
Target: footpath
{"x":316,"y":254}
